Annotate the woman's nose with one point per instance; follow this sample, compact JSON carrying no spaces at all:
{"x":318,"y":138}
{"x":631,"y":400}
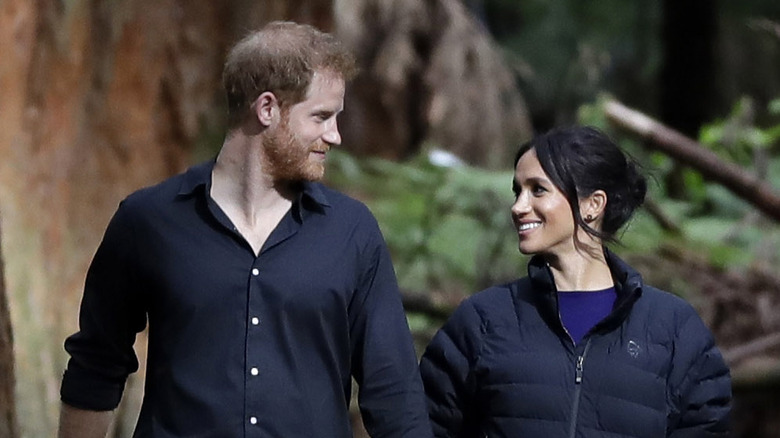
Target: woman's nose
{"x":521,"y":205}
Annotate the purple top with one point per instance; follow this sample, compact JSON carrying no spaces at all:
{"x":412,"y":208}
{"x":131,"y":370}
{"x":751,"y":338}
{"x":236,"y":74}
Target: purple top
{"x":580,"y":311}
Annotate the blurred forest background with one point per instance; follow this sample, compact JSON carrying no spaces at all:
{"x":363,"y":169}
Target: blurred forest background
{"x":99,"y":98}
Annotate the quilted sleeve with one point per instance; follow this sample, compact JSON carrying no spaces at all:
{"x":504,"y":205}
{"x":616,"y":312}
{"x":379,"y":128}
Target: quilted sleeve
{"x":446,"y":369}
{"x":700,"y":384}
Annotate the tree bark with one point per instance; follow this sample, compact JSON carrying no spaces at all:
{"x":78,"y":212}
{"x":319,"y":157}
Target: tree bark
{"x":102,"y":98}
{"x":7,"y":379}
{"x":688,"y":35}
{"x":689,"y":152}
{"x":431,"y":75}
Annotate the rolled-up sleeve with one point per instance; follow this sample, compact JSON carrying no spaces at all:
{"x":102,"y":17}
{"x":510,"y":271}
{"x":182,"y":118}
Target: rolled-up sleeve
{"x":102,"y":354}
{"x":384,"y":362}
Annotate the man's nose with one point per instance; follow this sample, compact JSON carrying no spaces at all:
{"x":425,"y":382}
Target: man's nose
{"x":332,"y":135}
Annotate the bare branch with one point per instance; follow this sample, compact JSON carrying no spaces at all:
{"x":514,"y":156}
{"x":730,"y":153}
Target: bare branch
{"x":752,"y":348}
{"x":655,"y":211}
{"x":691,"y":153}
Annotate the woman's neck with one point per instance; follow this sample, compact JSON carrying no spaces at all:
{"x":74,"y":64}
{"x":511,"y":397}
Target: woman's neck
{"x":581,"y":271}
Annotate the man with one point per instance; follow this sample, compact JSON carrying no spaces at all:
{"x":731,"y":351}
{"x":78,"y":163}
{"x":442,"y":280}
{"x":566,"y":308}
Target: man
{"x":265,"y":292}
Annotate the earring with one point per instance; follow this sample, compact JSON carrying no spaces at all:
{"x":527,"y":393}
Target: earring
{"x":589,"y":218}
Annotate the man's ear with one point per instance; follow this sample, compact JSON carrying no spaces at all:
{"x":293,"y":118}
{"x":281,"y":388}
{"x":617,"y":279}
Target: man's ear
{"x":592,"y":207}
{"x":265,"y":108}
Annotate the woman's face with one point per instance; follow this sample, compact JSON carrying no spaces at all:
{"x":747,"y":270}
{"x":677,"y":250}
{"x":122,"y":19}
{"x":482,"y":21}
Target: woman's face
{"x":541,"y":214}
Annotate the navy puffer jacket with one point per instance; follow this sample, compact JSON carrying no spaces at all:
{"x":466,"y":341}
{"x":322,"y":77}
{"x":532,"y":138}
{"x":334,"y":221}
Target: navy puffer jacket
{"x":504,"y":366}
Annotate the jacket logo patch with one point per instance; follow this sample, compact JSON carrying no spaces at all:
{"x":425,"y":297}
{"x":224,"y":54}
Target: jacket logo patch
{"x":634,"y":349}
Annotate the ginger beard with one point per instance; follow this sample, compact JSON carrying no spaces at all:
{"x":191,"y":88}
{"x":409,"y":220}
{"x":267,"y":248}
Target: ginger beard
{"x":287,"y":158}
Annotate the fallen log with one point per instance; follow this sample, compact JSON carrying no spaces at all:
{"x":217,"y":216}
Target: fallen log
{"x":739,"y":181}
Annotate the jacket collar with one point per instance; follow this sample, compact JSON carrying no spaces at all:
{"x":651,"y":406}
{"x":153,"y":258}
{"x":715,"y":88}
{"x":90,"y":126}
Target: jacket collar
{"x":628,"y":286}
{"x":626,"y":278}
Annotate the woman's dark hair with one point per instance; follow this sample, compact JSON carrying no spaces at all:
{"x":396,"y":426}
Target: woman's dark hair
{"x":580,"y":160}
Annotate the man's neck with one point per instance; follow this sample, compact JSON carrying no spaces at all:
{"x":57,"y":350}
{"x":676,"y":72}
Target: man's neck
{"x":248,"y":195}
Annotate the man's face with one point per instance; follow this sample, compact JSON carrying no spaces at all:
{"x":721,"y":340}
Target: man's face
{"x":296,"y":148}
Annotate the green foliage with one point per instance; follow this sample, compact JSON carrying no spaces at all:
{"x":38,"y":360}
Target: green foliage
{"x":736,"y":138}
{"x":641,"y":234}
{"x":447,"y":228}
{"x":719,"y":224}
{"x":566,"y":52}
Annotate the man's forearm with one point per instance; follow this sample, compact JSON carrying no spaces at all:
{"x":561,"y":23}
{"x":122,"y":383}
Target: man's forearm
{"x":80,"y":423}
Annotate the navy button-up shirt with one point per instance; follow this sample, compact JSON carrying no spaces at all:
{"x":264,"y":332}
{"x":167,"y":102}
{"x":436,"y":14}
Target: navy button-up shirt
{"x":243,"y":345}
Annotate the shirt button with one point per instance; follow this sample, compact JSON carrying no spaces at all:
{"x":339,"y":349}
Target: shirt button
{"x":255,"y":321}
{"x":255,"y":272}
{"x":254,"y":371}
{"x":253,"y":420}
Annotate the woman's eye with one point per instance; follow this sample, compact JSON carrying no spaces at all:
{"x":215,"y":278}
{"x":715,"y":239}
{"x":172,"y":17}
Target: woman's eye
{"x":538,"y":190}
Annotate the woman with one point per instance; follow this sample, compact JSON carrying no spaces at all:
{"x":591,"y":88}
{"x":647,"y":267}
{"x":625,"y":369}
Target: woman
{"x":580,"y":347}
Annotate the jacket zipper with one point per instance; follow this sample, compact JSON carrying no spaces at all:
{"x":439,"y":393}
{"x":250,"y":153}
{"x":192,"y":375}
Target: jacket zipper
{"x":577,"y":389}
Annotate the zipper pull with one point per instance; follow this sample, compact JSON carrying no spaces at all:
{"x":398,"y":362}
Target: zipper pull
{"x":578,"y":377}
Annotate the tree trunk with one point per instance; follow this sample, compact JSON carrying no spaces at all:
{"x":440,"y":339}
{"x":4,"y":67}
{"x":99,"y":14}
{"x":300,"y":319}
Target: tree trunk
{"x":7,"y":380}
{"x":688,"y":34}
{"x":101,"y":98}
{"x":431,"y":75}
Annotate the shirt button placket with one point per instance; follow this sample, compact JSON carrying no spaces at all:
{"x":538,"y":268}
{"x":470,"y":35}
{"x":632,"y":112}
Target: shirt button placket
{"x":254,"y":371}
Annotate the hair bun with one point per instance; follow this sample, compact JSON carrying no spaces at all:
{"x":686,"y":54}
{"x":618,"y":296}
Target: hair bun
{"x":636,"y":183}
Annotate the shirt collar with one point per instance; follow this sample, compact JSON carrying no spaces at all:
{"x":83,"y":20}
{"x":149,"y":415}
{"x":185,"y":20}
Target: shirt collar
{"x":314,"y":192}
{"x":196,"y":176}
{"x":311,"y":195}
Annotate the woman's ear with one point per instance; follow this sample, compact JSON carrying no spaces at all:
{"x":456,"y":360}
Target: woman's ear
{"x":265,"y":107}
{"x":592,"y":206}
